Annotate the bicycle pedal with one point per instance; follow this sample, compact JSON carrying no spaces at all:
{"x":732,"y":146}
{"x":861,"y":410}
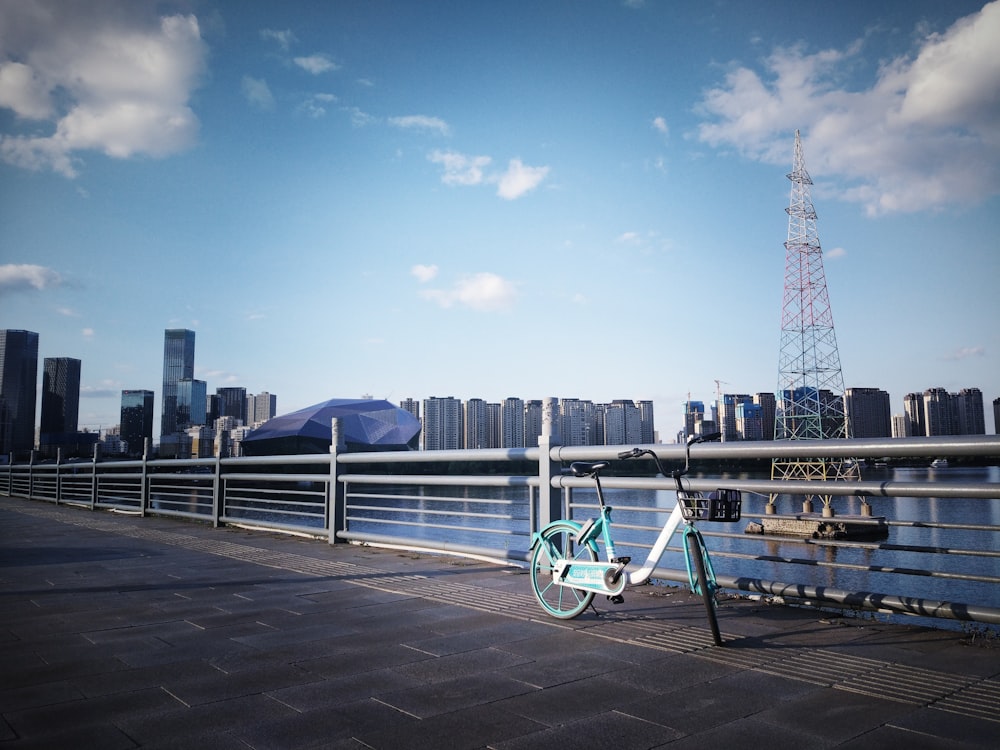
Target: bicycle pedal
{"x":616,"y":599}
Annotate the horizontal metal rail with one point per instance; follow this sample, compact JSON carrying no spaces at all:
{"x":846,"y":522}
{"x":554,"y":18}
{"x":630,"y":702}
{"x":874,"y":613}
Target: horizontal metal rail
{"x":353,"y":497}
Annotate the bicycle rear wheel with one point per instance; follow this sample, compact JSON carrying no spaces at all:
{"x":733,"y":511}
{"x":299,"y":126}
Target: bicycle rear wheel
{"x":558,"y":542}
{"x":698,"y":553}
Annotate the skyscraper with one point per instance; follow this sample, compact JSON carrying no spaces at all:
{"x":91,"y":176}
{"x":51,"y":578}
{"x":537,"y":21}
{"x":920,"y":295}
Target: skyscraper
{"x":136,"y":420}
{"x":178,"y":363}
{"x":60,"y":401}
{"x":18,"y":390}
{"x":233,"y":403}
{"x":192,"y":399}
{"x":512,"y":423}
{"x":265,"y":407}
{"x":442,"y":424}
{"x":477,"y":427}
{"x":971,"y":415}
{"x":868,"y":412}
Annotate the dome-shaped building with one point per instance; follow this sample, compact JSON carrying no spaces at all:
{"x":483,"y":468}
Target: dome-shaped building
{"x":365,"y":424}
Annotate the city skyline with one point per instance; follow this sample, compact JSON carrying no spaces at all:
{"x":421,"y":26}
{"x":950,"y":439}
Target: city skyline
{"x":450,"y":422}
{"x":534,"y":199}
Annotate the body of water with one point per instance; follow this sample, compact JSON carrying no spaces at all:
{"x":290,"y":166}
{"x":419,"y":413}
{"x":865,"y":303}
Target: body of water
{"x":747,"y":555}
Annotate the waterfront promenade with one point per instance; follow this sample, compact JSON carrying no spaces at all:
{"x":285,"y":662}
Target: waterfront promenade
{"x":119,"y":632}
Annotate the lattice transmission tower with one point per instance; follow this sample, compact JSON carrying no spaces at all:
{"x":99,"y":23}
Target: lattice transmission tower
{"x":809,"y":403}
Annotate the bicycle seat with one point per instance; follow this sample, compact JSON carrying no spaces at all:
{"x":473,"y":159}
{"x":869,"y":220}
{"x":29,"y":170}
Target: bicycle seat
{"x":587,"y":468}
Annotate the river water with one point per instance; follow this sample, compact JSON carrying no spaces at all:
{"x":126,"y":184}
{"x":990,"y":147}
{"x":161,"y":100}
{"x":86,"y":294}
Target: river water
{"x":737,"y":554}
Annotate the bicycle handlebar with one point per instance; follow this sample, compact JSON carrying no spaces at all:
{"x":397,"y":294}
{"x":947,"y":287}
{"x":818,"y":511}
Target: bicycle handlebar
{"x":677,"y":473}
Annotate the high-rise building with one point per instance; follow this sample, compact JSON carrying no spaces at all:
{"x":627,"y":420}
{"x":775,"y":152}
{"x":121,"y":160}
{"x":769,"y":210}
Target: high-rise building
{"x":192,"y":403}
{"x":265,"y":407}
{"x":768,"y":404}
{"x":136,"y":420}
{"x":532,"y":422}
{"x":411,"y":405}
{"x":576,"y":421}
{"x":728,"y":405}
{"x":971,"y":415}
{"x":622,"y":423}
{"x":913,"y":415}
{"x":694,"y":415}
{"x":477,"y":428}
{"x":868,"y":412}
{"x":940,"y":415}
{"x":18,"y":390}
{"x":178,"y":364}
{"x":233,"y":403}
{"x":996,"y":415}
{"x":442,"y":424}
{"x":60,"y":400}
{"x":900,"y":425}
{"x":494,"y":420}
{"x":648,"y":426}
{"x":749,"y":420}
{"x":512,"y":423}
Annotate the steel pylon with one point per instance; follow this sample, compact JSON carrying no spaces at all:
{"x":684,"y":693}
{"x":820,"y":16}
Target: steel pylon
{"x":809,"y":400}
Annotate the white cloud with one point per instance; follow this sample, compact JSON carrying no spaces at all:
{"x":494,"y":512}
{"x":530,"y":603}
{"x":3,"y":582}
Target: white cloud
{"x":924,"y":134}
{"x":660,"y":125}
{"x":17,"y":277}
{"x":284,"y":37}
{"x":837,"y":252}
{"x":966,"y":352}
{"x":628,"y":237}
{"x":315,"y":105}
{"x":424,"y":273}
{"x":460,"y":169}
{"x":485,"y":292}
{"x":257,"y":92}
{"x":316,"y":64}
{"x":519,"y":179}
{"x":360,"y":118}
{"x":105,"y":77}
{"x":421,"y":122}
{"x":87,"y":333}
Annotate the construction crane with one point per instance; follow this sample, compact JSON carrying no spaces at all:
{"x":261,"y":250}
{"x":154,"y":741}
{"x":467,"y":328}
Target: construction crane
{"x":718,"y":389}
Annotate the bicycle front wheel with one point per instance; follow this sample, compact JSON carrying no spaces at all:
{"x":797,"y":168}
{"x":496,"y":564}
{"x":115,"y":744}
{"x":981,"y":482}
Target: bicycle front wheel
{"x":558,"y":542}
{"x":698,"y":554}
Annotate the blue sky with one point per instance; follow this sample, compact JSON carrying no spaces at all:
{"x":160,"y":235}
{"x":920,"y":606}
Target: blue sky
{"x":493,"y":199}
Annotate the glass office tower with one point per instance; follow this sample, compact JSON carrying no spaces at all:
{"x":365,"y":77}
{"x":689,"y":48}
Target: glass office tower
{"x":178,"y":364}
{"x":18,"y":390}
{"x":136,"y":420}
{"x":60,"y":395}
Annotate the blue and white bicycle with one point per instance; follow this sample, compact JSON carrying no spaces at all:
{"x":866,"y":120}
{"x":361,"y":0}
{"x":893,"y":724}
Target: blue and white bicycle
{"x":566,"y":569}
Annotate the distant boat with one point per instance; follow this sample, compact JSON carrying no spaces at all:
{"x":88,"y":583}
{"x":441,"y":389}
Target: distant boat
{"x":939,"y":463}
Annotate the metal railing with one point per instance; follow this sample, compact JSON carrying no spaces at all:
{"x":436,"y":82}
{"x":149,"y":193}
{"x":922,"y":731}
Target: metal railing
{"x":490,"y":503}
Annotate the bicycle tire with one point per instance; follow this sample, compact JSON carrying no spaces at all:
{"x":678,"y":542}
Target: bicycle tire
{"x":697,"y":552}
{"x":558,"y":542}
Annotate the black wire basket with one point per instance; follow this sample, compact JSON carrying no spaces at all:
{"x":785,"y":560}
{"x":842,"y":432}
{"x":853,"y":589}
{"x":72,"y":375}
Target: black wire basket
{"x":721,"y":505}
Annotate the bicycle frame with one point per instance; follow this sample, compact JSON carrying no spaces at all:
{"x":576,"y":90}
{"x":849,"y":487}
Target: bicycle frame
{"x":600,"y":527}
{"x":566,"y":569}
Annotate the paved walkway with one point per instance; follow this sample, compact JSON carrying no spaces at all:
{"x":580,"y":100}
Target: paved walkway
{"x":122,"y":632}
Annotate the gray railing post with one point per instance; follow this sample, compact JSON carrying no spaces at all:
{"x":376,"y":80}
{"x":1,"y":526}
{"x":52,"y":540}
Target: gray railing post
{"x":59,"y":457}
{"x":144,"y":478}
{"x":93,"y":476}
{"x":218,"y":490}
{"x":336,"y":511}
{"x":550,"y":506}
